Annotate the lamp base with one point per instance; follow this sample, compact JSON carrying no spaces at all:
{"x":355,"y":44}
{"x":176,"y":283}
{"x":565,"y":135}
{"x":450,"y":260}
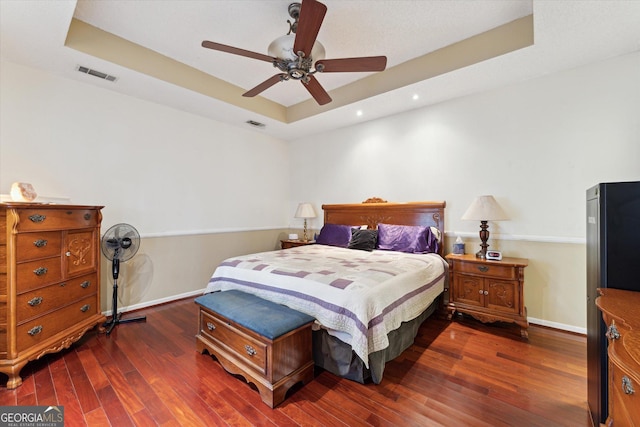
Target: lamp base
{"x":482,"y":254}
{"x":484,"y":236}
{"x":304,"y":232}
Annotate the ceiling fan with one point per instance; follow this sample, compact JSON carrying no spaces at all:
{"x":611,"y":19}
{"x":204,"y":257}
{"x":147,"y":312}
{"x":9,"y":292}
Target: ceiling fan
{"x":299,"y":55}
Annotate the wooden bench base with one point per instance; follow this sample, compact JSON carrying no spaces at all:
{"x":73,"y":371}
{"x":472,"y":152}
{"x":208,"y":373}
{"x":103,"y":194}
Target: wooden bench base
{"x":272,"y":365}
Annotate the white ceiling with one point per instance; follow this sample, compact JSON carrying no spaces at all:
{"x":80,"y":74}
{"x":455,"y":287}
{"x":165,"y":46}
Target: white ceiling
{"x":567,"y":34}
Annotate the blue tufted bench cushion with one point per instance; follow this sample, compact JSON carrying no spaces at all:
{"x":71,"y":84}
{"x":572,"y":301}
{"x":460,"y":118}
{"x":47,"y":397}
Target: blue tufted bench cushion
{"x":264,"y":317}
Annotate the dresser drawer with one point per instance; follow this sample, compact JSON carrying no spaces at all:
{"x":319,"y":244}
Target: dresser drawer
{"x":56,"y":219}
{"x":234,"y":340}
{"x":624,"y":389}
{"x":37,"y":330}
{"x":39,"y":301}
{"x":38,"y":245}
{"x":486,"y":269}
{"x":35,"y":274}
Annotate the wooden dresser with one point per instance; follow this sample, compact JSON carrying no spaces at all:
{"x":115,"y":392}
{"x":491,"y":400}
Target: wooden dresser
{"x":49,"y":280}
{"x":621,"y":313}
{"x":490,"y":291}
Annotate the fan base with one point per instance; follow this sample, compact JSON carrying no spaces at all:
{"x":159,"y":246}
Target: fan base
{"x":117,"y":320}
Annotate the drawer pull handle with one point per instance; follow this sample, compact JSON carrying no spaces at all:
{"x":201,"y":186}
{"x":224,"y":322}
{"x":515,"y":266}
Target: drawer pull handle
{"x":67,"y":253}
{"x":480,"y":291}
{"x":211,"y":326}
{"x":40,"y":243}
{"x":37,"y":218}
{"x":627,"y":387}
{"x":85,"y":308}
{"x":35,"y":330}
{"x":63,"y":284}
{"x":40,"y":271}
{"x":250,"y":350}
{"x":612,"y":333}
{"x":486,"y":292}
{"x":35,"y":301}
{"x":85,"y":284}
{"x":483,"y":268}
{"x":87,"y":216}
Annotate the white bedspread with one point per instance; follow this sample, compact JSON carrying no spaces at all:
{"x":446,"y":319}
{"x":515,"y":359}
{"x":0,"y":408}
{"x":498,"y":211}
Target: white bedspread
{"x":358,"y":296}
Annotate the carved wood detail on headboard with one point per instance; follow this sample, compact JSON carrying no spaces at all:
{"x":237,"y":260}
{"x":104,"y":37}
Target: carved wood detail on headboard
{"x":375,"y":200}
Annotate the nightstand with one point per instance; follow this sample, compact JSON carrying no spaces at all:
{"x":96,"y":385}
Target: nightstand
{"x":286,"y":244}
{"x":490,"y":291}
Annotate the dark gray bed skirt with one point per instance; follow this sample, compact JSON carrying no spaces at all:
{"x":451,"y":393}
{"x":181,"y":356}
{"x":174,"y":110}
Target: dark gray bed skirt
{"x":335,"y":356}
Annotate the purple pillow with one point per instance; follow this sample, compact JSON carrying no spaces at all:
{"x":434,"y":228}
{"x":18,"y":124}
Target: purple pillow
{"x":334,"y":235}
{"x":407,"y":238}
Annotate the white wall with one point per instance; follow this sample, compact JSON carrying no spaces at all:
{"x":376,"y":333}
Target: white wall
{"x":197,"y":190}
{"x":536,"y":146}
{"x":163,"y":170}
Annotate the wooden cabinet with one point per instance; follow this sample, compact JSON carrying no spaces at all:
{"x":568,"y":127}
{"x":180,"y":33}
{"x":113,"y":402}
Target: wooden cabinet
{"x":49,"y":280}
{"x":490,"y":291}
{"x":286,"y":244}
{"x":621,"y":314}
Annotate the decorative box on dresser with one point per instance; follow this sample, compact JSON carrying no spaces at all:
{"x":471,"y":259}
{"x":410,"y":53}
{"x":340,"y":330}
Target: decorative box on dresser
{"x":488,"y":290}
{"x":49,"y":280}
{"x":621,"y":314}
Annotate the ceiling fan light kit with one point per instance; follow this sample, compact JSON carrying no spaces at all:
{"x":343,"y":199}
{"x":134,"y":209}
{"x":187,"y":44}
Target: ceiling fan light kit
{"x":298,"y":55}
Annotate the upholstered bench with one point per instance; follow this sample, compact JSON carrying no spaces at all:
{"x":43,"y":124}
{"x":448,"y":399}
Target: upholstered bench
{"x":267,"y":343}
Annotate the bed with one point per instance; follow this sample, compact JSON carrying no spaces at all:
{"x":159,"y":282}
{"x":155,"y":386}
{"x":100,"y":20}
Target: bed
{"x":368,"y":304}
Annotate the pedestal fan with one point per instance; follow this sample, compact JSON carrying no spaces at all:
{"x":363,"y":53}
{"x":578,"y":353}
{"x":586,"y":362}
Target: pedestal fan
{"x":119,"y":244}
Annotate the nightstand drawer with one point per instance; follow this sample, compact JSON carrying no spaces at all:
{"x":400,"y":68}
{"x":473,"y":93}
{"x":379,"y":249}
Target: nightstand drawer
{"x":488,"y":270}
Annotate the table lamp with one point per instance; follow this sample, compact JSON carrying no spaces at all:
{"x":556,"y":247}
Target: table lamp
{"x":483,"y":209}
{"x":305,"y":210}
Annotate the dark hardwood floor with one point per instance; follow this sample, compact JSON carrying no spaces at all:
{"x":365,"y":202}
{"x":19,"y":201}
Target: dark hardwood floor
{"x":461,"y":373}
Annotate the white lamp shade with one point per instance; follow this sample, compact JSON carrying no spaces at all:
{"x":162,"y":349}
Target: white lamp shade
{"x":305,"y":210}
{"x":485,"y":208}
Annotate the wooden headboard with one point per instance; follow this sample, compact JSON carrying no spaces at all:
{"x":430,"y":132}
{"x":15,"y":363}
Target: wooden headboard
{"x":413,"y":213}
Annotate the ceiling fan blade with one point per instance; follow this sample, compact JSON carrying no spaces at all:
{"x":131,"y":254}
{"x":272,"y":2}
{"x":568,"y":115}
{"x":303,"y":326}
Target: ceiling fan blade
{"x":319,"y":94}
{"x":311,"y":15}
{"x":237,"y":51}
{"x":365,"y":63}
{"x":265,"y":85}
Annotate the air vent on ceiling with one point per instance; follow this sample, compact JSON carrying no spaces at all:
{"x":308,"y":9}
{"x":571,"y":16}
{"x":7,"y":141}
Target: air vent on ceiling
{"x":255,"y":124}
{"x":95,"y":73}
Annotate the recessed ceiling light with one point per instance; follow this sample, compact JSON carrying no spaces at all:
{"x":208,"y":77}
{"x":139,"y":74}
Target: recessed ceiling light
{"x":359,"y":113}
{"x":415,"y":96}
